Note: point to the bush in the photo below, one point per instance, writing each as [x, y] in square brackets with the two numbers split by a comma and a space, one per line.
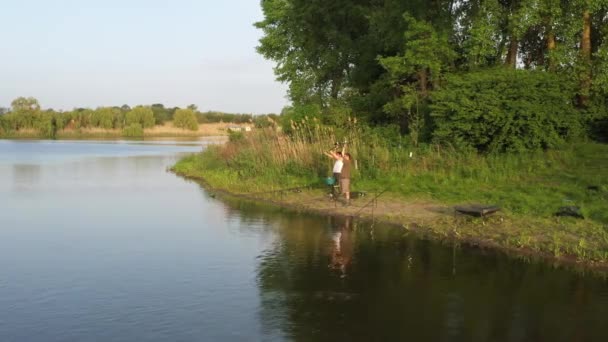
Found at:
[46, 125]
[234, 136]
[133, 130]
[4, 125]
[501, 110]
[161, 114]
[105, 117]
[141, 115]
[186, 119]
[298, 113]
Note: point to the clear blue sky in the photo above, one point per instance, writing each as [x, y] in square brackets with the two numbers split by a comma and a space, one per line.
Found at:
[89, 53]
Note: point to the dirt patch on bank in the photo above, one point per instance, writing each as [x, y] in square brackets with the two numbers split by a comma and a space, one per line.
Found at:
[372, 205]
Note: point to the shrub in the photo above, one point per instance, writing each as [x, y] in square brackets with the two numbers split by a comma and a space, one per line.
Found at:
[161, 114]
[4, 125]
[105, 117]
[234, 136]
[186, 119]
[133, 130]
[141, 115]
[501, 110]
[46, 125]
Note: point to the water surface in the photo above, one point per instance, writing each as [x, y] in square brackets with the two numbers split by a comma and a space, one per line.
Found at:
[98, 242]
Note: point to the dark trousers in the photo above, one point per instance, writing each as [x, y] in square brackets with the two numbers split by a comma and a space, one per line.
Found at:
[337, 178]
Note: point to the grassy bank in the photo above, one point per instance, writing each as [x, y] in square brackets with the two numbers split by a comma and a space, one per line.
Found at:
[165, 130]
[529, 187]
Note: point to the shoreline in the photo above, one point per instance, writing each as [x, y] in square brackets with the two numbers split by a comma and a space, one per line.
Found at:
[445, 227]
[166, 130]
[93, 138]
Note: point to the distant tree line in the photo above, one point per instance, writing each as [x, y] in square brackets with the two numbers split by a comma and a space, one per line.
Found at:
[26, 113]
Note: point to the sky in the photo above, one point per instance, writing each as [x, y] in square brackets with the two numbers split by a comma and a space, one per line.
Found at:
[89, 53]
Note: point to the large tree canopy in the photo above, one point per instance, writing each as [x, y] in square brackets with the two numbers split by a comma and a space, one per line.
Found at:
[371, 53]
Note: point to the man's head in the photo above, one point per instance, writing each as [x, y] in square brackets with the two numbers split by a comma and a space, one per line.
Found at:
[347, 156]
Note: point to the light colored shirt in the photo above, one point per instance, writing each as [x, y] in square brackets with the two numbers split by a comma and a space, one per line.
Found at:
[338, 166]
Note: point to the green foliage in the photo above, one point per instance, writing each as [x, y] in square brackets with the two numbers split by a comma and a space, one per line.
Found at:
[4, 125]
[501, 110]
[140, 115]
[328, 51]
[46, 125]
[82, 117]
[26, 116]
[420, 68]
[23, 104]
[186, 119]
[483, 29]
[235, 137]
[425, 51]
[299, 113]
[215, 117]
[161, 114]
[106, 117]
[265, 121]
[133, 130]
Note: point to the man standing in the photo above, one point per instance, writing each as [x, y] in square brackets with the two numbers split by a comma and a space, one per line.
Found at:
[345, 177]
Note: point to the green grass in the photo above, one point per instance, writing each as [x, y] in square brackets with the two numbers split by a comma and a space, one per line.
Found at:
[220, 175]
[530, 184]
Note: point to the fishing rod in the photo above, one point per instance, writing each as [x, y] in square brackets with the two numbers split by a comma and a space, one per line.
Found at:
[373, 199]
[281, 190]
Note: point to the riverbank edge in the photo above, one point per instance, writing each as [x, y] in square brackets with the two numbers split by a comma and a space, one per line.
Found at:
[166, 130]
[74, 135]
[423, 230]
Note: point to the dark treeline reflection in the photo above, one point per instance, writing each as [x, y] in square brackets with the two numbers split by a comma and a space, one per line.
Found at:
[337, 279]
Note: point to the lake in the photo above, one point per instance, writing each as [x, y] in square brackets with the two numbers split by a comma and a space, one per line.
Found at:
[99, 242]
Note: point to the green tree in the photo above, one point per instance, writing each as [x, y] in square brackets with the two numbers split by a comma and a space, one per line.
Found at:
[140, 115]
[417, 71]
[313, 43]
[23, 104]
[106, 117]
[161, 114]
[25, 112]
[186, 119]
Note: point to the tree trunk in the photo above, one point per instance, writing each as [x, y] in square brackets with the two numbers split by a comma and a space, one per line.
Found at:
[335, 87]
[511, 60]
[586, 39]
[551, 46]
[423, 82]
[583, 98]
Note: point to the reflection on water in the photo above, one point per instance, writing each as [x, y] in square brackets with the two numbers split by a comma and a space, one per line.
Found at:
[101, 243]
[333, 278]
[342, 247]
[25, 175]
